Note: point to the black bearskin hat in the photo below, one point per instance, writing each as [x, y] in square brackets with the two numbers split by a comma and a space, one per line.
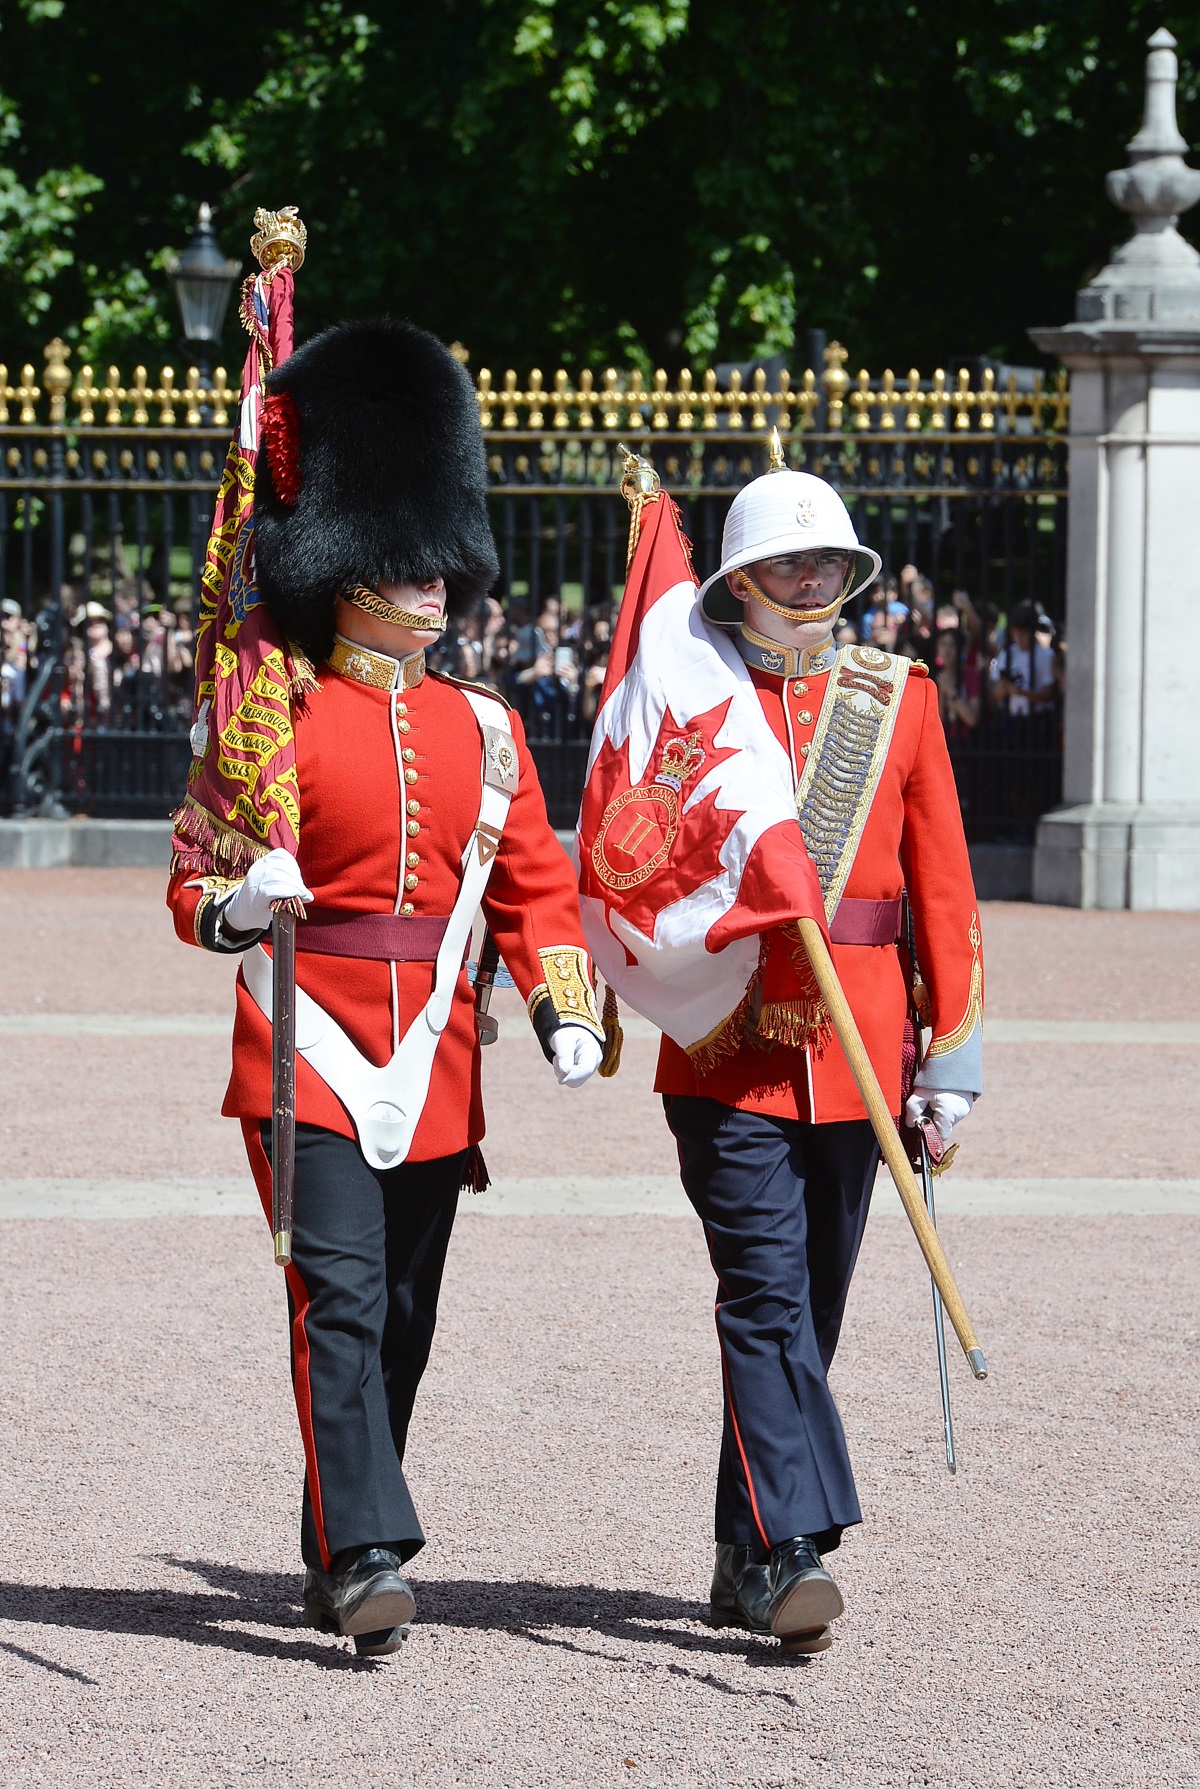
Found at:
[373, 469]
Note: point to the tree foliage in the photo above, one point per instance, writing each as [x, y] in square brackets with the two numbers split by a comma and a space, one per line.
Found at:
[579, 181]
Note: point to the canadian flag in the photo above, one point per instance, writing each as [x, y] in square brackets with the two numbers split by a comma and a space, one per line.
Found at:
[688, 843]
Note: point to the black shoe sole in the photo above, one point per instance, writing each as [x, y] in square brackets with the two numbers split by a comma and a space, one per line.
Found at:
[809, 1603]
[379, 1645]
[387, 1602]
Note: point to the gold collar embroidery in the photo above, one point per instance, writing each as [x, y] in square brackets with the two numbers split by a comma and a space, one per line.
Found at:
[783, 661]
[376, 669]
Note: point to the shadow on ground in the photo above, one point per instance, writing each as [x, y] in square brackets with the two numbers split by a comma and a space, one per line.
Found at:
[239, 1601]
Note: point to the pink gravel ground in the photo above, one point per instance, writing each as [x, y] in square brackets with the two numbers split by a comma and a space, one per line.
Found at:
[1031, 1623]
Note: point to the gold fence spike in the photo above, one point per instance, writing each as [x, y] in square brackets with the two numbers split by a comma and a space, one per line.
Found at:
[139, 395]
[165, 398]
[113, 396]
[890, 400]
[758, 400]
[860, 400]
[193, 397]
[27, 394]
[56, 379]
[962, 400]
[711, 400]
[986, 400]
[914, 399]
[685, 397]
[223, 398]
[509, 419]
[836, 381]
[937, 399]
[535, 397]
[6, 392]
[611, 418]
[483, 394]
[562, 397]
[87, 395]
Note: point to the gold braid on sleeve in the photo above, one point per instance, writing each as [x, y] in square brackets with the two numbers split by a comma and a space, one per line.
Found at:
[568, 987]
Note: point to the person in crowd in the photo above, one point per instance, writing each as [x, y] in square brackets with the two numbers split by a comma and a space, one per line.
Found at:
[597, 644]
[536, 639]
[958, 685]
[845, 633]
[1022, 674]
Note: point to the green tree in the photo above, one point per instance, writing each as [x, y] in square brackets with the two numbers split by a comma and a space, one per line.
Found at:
[583, 180]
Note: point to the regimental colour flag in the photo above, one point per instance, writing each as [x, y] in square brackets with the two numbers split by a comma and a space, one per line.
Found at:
[690, 851]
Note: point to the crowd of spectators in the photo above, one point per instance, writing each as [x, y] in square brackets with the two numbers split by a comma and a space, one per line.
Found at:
[992, 671]
[129, 660]
[548, 660]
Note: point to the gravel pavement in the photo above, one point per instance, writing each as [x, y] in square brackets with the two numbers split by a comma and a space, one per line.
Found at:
[1032, 1622]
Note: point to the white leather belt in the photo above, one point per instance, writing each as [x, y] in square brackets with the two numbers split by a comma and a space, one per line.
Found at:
[386, 1103]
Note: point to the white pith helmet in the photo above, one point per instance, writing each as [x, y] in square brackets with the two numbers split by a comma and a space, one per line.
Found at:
[783, 512]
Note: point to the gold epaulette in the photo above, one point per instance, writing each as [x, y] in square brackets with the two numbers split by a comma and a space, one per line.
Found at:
[919, 667]
[467, 683]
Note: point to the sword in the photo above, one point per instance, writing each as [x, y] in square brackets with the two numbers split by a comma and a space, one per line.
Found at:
[939, 1325]
[283, 1081]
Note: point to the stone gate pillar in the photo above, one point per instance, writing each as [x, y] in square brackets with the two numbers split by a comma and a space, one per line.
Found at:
[1129, 835]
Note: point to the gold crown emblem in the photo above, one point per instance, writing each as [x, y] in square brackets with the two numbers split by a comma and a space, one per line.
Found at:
[680, 758]
[806, 513]
[278, 236]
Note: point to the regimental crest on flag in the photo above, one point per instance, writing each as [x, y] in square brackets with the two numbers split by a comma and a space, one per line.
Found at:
[689, 850]
[639, 827]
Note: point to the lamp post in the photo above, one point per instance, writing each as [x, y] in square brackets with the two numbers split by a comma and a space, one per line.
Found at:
[203, 280]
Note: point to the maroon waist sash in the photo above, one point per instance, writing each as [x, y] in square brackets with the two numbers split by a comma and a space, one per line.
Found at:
[379, 937]
[860, 922]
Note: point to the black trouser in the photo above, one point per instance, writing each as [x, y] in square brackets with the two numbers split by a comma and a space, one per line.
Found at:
[783, 1206]
[368, 1248]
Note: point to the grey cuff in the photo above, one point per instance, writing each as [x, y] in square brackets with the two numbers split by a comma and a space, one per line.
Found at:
[955, 1071]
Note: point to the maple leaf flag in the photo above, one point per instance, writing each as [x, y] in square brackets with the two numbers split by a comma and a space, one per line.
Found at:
[688, 842]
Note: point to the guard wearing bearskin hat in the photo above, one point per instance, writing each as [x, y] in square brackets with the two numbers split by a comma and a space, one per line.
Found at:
[761, 720]
[415, 801]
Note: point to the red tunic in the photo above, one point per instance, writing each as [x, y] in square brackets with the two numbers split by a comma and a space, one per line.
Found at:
[913, 839]
[389, 796]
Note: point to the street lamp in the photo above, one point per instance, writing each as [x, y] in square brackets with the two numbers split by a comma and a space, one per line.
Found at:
[203, 280]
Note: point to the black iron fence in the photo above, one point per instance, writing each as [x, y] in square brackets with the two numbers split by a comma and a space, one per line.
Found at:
[103, 529]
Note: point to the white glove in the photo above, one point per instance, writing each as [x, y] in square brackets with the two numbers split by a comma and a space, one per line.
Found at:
[945, 1109]
[275, 877]
[576, 1055]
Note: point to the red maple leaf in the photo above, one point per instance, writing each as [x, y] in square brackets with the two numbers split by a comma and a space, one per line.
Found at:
[641, 851]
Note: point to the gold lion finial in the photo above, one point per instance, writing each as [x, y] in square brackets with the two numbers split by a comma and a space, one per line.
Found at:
[278, 236]
[638, 477]
[777, 462]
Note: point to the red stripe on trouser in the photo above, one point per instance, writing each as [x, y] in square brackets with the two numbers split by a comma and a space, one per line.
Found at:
[260, 1167]
[737, 1435]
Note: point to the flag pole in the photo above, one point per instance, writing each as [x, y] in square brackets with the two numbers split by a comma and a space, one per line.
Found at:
[888, 1137]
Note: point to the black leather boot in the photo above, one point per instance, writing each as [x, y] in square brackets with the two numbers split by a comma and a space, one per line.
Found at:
[740, 1594]
[366, 1596]
[803, 1597]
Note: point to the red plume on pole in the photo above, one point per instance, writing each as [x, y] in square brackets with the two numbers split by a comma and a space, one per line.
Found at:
[243, 796]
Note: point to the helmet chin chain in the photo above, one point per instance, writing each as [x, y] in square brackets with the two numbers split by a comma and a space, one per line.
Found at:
[371, 603]
[807, 617]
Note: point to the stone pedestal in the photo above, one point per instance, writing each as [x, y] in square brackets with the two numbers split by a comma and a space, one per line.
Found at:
[1129, 835]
